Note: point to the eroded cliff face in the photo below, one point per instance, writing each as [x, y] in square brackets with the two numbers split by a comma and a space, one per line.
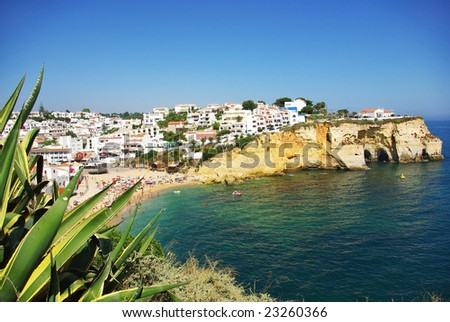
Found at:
[347, 145]
[409, 141]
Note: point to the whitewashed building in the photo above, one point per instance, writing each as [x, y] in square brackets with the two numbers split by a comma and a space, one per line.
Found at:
[153, 143]
[235, 127]
[258, 124]
[152, 119]
[236, 120]
[128, 124]
[202, 117]
[53, 155]
[181, 108]
[199, 135]
[299, 104]
[161, 110]
[376, 113]
[68, 142]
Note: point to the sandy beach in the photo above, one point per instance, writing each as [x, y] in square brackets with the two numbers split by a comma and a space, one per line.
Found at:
[153, 183]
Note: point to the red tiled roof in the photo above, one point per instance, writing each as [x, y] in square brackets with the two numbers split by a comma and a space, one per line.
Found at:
[371, 110]
[368, 110]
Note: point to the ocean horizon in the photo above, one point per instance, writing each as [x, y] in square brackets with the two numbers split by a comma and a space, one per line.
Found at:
[322, 235]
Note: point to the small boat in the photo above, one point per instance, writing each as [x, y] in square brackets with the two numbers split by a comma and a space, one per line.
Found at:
[402, 176]
[236, 193]
[177, 191]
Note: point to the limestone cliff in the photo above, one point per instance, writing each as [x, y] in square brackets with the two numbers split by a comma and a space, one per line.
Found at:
[341, 145]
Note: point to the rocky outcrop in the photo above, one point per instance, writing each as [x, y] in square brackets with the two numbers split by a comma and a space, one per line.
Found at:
[342, 145]
[402, 142]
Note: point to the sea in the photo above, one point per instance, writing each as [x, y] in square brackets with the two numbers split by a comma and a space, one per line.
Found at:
[319, 235]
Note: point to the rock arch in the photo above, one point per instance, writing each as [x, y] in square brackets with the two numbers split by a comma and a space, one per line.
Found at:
[382, 155]
[425, 155]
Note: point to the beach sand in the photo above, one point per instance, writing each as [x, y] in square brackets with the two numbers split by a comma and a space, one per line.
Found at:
[154, 183]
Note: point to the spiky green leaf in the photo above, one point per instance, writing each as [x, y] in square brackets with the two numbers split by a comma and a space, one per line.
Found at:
[6, 111]
[72, 242]
[73, 217]
[74, 287]
[146, 243]
[28, 106]
[174, 297]
[133, 245]
[6, 170]
[53, 292]
[124, 236]
[33, 246]
[55, 190]
[96, 288]
[22, 203]
[24, 179]
[127, 295]
[10, 144]
[28, 140]
[12, 219]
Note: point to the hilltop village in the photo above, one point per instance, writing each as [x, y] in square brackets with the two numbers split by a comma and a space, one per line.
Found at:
[67, 139]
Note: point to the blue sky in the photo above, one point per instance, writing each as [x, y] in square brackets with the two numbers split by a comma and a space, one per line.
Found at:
[116, 56]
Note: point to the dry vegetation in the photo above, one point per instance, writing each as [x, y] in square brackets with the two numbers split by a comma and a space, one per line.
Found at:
[207, 283]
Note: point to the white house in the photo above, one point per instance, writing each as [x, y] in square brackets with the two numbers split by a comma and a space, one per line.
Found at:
[114, 143]
[151, 119]
[192, 118]
[203, 117]
[199, 135]
[298, 103]
[153, 143]
[161, 110]
[61, 173]
[236, 128]
[258, 124]
[376, 113]
[293, 116]
[214, 106]
[128, 124]
[68, 142]
[236, 120]
[273, 119]
[123, 141]
[233, 105]
[92, 143]
[181, 108]
[53, 155]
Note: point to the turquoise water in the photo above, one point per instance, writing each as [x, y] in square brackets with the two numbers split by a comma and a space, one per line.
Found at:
[323, 235]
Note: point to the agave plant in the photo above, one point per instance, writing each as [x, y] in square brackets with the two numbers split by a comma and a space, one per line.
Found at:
[46, 250]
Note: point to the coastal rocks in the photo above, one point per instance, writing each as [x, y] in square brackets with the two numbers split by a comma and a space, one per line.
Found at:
[344, 145]
[401, 142]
